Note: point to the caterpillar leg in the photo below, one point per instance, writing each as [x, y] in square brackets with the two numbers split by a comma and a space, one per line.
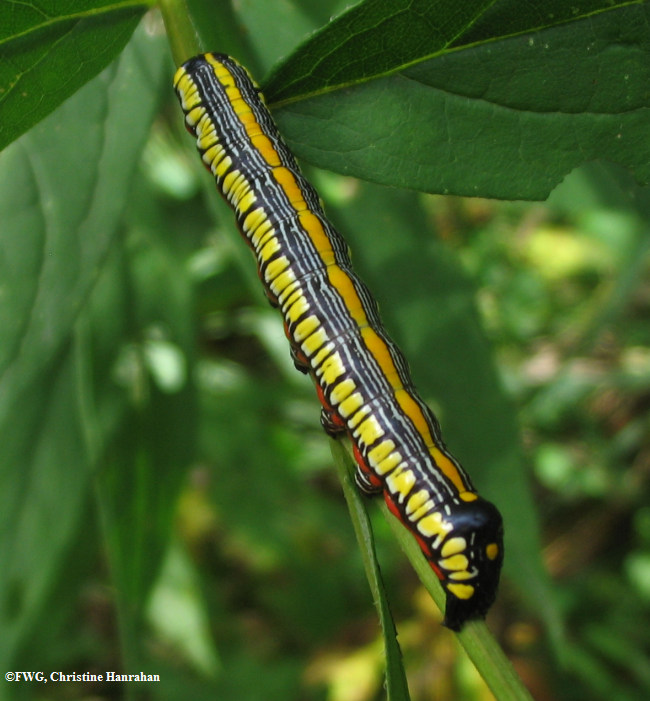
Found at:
[366, 479]
[331, 423]
[329, 419]
[299, 360]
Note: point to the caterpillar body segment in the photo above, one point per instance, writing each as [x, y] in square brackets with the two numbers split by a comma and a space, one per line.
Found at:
[336, 336]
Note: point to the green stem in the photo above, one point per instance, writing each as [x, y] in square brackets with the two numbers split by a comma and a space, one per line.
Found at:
[475, 637]
[396, 685]
[184, 37]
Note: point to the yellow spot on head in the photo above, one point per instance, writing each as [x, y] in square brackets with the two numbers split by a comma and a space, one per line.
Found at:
[492, 551]
[453, 546]
[462, 574]
[455, 562]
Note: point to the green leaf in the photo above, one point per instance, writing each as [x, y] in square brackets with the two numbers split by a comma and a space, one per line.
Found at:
[378, 37]
[44, 475]
[65, 185]
[63, 196]
[50, 49]
[504, 117]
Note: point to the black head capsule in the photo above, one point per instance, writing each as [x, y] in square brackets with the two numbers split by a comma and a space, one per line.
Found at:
[468, 561]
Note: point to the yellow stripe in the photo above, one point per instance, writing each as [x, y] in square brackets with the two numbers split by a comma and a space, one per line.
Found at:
[401, 481]
[381, 452]
[342, 283]
[341, 391]
[287, 181]
[314, 342]
[275, 267]
[297, 309]
[351, 404]
[389, 463]
[369, 430]
[331, 369]
[306, 328]
[453, 546]
[322, 354]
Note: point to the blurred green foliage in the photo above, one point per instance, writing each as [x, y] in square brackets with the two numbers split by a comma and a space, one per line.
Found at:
[169, 504]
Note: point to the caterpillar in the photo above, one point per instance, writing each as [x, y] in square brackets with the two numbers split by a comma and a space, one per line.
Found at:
[336, 335]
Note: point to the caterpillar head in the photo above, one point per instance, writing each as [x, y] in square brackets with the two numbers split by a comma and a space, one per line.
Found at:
[468, 561]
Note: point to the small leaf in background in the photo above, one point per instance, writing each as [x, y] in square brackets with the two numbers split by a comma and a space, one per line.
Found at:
[177, 611]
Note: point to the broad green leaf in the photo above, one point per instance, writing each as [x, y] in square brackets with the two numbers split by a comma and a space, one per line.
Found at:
[63, 195]
[49, 50]
[65, 185]
[378, 37]
[505, 117]
[44, 476]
